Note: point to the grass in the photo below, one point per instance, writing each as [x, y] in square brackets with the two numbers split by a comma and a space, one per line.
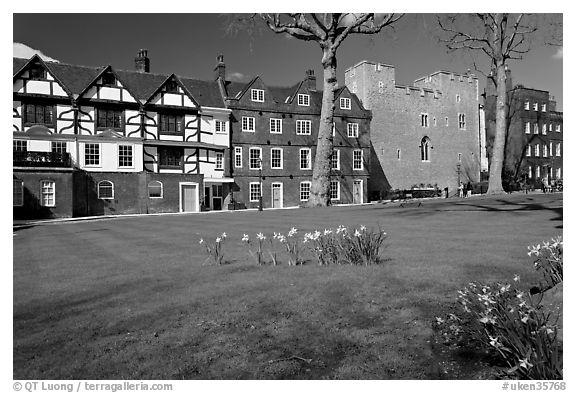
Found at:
[132, 298]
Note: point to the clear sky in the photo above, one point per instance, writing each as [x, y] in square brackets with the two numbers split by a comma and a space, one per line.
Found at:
[187, 45]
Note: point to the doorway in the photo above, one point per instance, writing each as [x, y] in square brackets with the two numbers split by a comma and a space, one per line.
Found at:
[277, 196]
[189, 197]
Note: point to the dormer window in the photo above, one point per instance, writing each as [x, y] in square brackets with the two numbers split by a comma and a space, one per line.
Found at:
[172, 87]
[345, 103]
[303, 100]
[37, 72]
[257, 95]
[108, 79]
[527, 105]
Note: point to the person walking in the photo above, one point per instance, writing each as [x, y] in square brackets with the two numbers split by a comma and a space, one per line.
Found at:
[468, 189]
[460, 190]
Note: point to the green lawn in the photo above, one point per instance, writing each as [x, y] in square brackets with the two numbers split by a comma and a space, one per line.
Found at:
[132, 298]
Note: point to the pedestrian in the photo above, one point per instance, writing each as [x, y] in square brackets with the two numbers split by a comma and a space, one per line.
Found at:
[460, 190]
[468, 189]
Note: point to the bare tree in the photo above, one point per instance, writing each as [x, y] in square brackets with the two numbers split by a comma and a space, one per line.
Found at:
[500, 38]
[328, 31]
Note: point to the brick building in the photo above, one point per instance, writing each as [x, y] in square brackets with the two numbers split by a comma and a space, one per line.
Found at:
[97, 140]
[273, 139]
[534, 135]
[423, 135]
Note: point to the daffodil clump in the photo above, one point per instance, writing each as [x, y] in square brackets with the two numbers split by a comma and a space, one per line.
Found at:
[214, 250]
[549, 261]
[510, 322]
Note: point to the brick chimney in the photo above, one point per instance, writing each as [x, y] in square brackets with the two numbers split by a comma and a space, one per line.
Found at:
[142, 62]
[310, 80]
[220, 69]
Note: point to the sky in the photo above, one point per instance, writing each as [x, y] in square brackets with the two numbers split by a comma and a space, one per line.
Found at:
[187, 45]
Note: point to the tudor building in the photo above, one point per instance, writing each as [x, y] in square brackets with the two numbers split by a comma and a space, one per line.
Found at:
[423, 135]
[274, 136]
[91, 141]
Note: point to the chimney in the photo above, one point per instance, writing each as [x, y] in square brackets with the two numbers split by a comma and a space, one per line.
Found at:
[142, 61]
[220, 69]
[310, 80]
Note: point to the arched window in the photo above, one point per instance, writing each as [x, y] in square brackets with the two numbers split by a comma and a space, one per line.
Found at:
[105, 190]
[425, 149]
[155, 189]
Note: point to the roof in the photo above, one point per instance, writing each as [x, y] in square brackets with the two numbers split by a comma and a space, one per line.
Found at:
[76, 78]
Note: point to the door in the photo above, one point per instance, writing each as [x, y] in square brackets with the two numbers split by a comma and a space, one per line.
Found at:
[277, 197]
[207, 197]
[189, 197]
[357, 191]
[216, 197]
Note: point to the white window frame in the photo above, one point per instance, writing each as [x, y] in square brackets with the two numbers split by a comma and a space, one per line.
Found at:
[535, 106]
[544, 129]
[345, 103]
[309, 158]
[352, 129]
[98, 189]
[354, 160]
[537, 171]
[85, 145]
[20, 185]
[558, 128]
[259, 184]
[544, 150]
[161, 189]
[238, 157]
[303, 99]
[309, 186]
[219, 127]
[59, 147]
[558, 173]
[51, 188]
[335, 158]
[248, 124]
[131, 154]
[18, 144]
[537, 150]
[272, 158]
[527, 127]
[257, 95]
[259, 150]
[558, 149]
[219, 161]
[551, 149]
[527, 105]
[529, 150]
[303, 127]
[536, 130]
[529, 171]
[461, 121]
[543, 107]
[275, 126]
[337, 198]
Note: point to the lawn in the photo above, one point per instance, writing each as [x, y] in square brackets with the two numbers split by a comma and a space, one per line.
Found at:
[134, 298]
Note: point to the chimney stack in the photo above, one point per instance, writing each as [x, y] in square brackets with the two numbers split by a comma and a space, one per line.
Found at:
[220, 69]
[310, 80]
[142, 61]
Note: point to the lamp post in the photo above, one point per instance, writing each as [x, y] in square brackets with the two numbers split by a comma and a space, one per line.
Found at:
[260, 181]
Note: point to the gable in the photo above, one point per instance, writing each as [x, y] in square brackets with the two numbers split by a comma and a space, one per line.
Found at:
[35, 77]
[172, 92]
[257, 95]
[107, 86]
[355, 105]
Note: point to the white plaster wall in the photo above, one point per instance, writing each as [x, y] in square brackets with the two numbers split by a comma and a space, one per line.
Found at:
[38, 87]
[110, 93]
[172, 99]
[109, 157]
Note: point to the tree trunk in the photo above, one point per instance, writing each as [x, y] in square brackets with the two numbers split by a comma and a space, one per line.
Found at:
[496, 165]
[320, 188]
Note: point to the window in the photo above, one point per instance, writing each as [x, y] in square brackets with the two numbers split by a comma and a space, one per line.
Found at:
[333, 129]
[17, 192]
[544, 150]
[335, 159]
[47, 193]
[537, 171]
[543, 107]
[255, 192]
[276, 126]
[276, 158]
[219, 161]
[304, 190]
[125, 156]
[352, 130]
[457, 97]
[109, 118]
[446, 121]
[357, 162]
[558, 128]
[58, 147]
[527, 127]
[303, 127]
[544, 130]
[535, 106]
[257, 95]
[37, 72]
[537, 150]
[39, 114]
[303, 100]
[558, 173]
[425, 149]
[424, 119]
[345, 103]
[108, 79]
[255, 158]
[105, 190]
[461, 121]
[92, 154]
[220, 127]
[171, 86]
[247, 124]
[155, 189]
[305, 159]
[334, 190]
[558, 149]
[527, 105]
[170, 157]
[530, 172]
[459, 157]
[380, 87]
[171, 123]
[19, 145]
[238, 157]
[535, 128]
[398, 154]
[528, 151]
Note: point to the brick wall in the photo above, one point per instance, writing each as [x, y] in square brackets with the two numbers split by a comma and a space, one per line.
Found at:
[32, 208]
